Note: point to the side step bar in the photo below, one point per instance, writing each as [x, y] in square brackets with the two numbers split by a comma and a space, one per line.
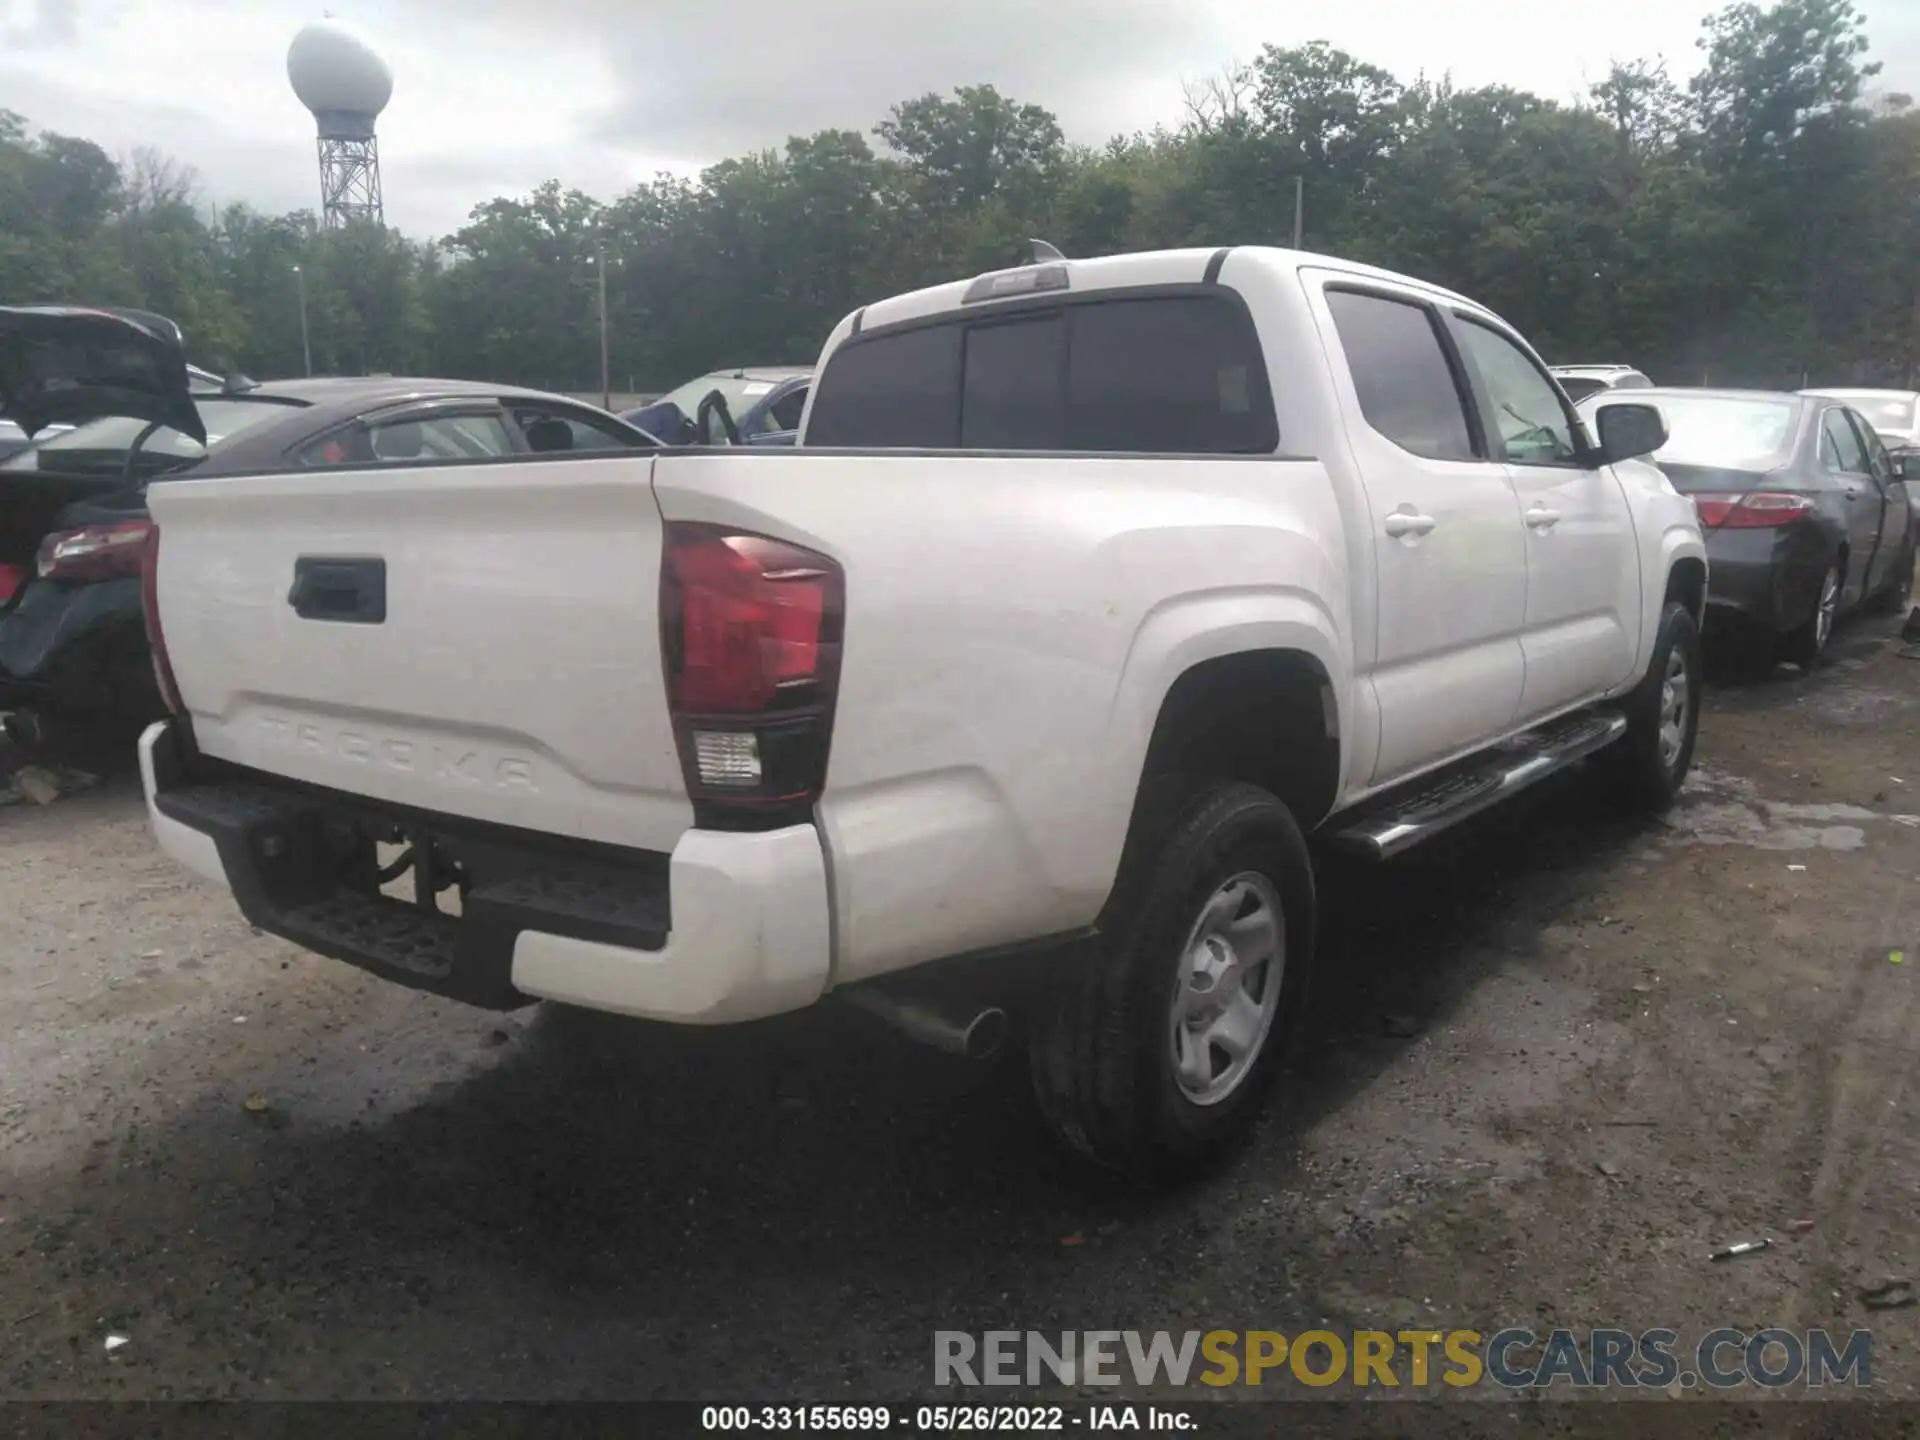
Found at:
[1522, 761]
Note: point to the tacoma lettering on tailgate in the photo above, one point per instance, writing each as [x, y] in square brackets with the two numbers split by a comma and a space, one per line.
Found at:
[449, 763]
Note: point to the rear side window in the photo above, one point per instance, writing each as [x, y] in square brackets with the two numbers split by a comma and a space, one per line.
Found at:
[894, 392]
[1401, 375]
[432, 437]
[1148, 375]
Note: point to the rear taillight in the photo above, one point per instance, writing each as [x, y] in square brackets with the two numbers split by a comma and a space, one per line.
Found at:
[12, 578]
[1755, 510]
[150, 610]
[750, 630]
[94, 552]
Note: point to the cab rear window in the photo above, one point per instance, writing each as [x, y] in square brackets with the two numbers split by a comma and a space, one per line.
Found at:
[1160, 374]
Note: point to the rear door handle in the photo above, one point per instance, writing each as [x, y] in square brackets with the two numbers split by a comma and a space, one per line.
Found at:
[345, 589]
[1409, 522]
[1541, 518]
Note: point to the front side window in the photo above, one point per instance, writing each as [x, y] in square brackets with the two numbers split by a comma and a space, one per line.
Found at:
[550, 429]
[1400, 374]
[1879, 464]
[784, 413]
[1533, 427]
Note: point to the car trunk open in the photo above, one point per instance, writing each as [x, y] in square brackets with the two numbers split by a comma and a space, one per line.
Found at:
[65, 365]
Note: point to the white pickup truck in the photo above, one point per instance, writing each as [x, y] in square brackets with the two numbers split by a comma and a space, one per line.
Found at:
[1093, 590]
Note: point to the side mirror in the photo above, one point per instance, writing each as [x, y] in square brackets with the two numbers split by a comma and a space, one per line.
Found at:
[1629, 431]
[1903, 464]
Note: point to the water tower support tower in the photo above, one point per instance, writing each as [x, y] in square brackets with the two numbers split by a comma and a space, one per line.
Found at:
[349, 170]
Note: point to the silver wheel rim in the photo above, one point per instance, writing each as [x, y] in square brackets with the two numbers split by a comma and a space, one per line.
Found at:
[1829, 607]
[1231, 969]
[1676, 698]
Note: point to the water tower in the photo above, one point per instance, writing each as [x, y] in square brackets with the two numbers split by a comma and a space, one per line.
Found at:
[345, 83]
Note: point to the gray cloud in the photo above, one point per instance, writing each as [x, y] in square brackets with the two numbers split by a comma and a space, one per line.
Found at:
[229, 164]
[700, 82]
[39, 24]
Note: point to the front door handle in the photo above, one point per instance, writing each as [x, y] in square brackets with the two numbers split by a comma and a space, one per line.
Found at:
[1409, 522]
[1541, 518]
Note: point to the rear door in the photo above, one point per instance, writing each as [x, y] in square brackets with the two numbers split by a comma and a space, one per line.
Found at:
[1844, 458]
[1449, 550]
[1583, 563]
[477, 639]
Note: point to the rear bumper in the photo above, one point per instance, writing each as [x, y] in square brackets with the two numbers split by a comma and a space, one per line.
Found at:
[730, 927]
[1767, 578]
[78, 647]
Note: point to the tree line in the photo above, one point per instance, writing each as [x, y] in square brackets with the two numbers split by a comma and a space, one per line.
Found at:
[1757, 223]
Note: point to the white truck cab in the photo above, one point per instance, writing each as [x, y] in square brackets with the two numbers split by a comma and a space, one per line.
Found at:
[1092, 589]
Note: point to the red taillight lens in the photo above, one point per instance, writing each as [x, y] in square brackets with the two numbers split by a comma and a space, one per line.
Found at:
[94, 552]
[12, 577]
[150, 611]
[1755, 510]
[751, 635]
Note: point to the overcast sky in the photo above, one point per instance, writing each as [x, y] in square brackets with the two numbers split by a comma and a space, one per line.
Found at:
[493, 96]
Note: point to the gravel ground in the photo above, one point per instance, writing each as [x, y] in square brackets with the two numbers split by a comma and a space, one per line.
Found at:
[1555, 1062]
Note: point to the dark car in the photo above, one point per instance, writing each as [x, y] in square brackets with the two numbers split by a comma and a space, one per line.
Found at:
[1895, 417]
[757, 405]
[1805, 513]
[73, 519]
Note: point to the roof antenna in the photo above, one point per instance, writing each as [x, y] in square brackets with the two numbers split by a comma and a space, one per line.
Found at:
[1043, 252]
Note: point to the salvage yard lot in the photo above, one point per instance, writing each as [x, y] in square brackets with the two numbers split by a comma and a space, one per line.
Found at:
[1558, 1060]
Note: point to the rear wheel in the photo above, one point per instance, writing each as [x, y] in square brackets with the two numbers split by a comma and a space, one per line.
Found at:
[1152, 1055]
[1650, 763]
[1806, 643]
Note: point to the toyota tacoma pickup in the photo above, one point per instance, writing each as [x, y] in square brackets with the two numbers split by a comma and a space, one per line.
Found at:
[1094, 591]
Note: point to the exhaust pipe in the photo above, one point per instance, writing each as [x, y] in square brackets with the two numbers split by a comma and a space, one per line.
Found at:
[976, 1035]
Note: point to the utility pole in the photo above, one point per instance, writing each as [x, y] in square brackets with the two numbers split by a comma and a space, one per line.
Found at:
[1299, 206]
[306, 345]
[600, 264]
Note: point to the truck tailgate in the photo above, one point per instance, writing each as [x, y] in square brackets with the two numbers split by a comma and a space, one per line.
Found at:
[515, 675]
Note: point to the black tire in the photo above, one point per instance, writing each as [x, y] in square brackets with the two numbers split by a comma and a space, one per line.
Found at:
[1102, 1047]
[1806, 643]
[1644, 773]
[1899, 588]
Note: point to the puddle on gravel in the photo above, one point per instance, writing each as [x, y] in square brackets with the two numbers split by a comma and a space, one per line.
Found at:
[1717, 809]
